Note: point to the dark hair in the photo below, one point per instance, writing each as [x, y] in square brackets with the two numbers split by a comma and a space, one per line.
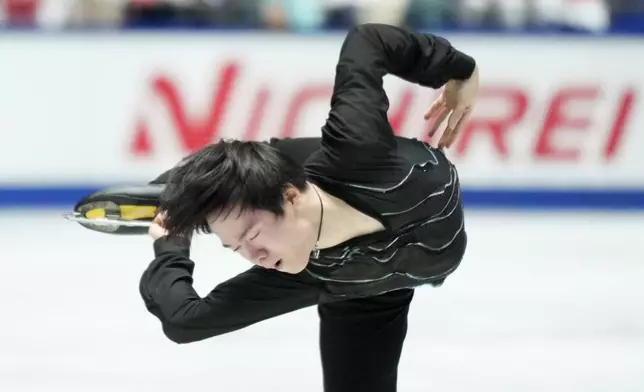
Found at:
[223, 176]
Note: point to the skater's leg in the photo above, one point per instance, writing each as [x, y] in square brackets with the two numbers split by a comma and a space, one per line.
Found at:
[361, 341]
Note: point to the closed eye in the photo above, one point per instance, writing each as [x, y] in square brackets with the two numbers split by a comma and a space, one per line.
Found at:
[237, 248]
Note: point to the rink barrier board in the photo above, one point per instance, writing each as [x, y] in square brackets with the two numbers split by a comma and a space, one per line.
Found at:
[544, 136]
[495, 198]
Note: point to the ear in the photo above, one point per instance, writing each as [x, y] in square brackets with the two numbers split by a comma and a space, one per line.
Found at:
[292, 195]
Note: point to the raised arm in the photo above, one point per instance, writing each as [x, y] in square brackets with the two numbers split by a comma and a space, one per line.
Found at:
[358, 118]
[252, 296]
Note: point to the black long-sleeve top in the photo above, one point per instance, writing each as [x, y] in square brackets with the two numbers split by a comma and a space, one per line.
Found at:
[410, 187]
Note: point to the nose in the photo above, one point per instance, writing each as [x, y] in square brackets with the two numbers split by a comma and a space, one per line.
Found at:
[260, 257]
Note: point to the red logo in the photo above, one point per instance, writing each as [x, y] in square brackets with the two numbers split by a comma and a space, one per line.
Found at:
[546, 117]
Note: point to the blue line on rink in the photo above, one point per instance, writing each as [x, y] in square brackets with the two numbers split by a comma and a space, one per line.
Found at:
[492, 198]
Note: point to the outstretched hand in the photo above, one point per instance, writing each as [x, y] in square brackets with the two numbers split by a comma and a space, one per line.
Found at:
[457, 100]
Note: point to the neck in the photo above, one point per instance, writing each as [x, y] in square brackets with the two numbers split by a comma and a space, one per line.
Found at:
[334, 221]
[321, 216]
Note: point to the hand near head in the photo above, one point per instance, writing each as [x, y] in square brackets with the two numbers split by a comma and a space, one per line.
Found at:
[157, 230]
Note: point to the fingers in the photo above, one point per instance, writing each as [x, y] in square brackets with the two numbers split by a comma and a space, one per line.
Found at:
[434, 108]
[456, 117]
[439, 111]
[441, 116]
[157, 229]
[160, 218]
[456, 123]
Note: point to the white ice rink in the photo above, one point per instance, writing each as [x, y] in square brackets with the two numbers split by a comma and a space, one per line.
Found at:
[541, 303]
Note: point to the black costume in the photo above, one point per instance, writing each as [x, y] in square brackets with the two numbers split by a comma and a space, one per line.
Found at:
[362, 287]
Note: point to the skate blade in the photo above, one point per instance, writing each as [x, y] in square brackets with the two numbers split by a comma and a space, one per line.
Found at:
[105, 222]
[111, 218]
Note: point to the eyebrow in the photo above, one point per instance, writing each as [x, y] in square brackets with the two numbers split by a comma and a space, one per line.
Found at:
[243, 234]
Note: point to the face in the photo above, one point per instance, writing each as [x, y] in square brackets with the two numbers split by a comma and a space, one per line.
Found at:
[282, 243]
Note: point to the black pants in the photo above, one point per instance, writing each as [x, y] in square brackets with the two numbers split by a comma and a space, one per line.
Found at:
[361, 341]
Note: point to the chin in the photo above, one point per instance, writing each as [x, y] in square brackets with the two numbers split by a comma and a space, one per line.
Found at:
[293, 267]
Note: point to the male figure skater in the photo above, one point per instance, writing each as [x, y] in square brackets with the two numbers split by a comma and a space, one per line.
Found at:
[353, 227]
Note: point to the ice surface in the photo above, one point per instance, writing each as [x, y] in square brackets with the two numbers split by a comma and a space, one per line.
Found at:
[542, 302]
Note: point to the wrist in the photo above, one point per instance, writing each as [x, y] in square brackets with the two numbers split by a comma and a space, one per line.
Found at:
[168, 243]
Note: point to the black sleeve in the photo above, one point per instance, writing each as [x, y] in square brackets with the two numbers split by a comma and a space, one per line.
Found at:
[298, 149]
[252, 296]
[357, 125]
